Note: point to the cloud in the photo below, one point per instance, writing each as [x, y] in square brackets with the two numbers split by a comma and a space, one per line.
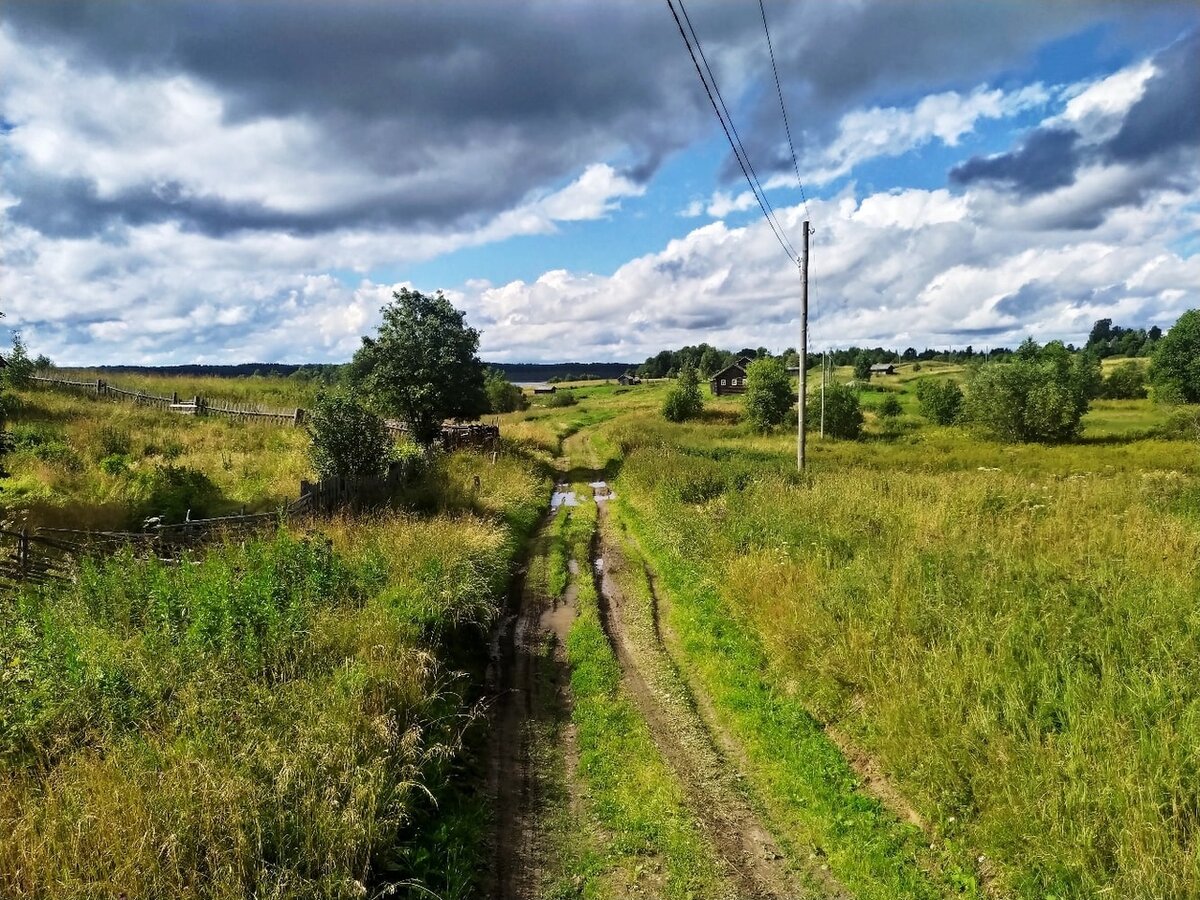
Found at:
[1140, 120]
[1047, 160]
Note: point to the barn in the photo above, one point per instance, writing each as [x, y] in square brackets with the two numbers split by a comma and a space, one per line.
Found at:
[730, 380]
[883, 369]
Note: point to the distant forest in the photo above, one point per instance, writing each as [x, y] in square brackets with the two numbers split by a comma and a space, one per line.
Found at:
[1105, 339]
[328, 373]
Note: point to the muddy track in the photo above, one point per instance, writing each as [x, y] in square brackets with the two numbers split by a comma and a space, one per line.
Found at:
[528, 684]
[710, 782]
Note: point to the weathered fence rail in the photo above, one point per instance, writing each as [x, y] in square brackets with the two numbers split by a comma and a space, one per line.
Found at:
[454, 436]
[49, 554]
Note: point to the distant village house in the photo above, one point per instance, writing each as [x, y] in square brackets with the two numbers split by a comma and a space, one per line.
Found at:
[883, 369]
[628, 379]
[730, 380]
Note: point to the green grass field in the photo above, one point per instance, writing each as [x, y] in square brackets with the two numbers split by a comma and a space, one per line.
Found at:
[1009, 632]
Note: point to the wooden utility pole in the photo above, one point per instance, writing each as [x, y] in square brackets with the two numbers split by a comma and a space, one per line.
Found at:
[823, 368]
[803, 389]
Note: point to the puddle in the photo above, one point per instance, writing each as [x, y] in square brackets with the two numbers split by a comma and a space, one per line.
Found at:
[601, 491]
[563, 497]
[598, 563]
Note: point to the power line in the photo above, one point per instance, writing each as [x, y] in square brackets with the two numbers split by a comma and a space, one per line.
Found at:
[782, 109]
[740, 146]
[735, 144]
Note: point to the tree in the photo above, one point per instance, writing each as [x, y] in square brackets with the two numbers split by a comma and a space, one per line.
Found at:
[1125, 382]
[19, 366]
[503, 396]
[1175, 367]
[683, 400]
[843, 415]
[940, 400]
[1040, 395]
[862, 367]
[768, 393]
[422, 365]
[348, 440]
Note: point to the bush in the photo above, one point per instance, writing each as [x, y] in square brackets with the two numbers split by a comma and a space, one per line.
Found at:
[1175, 369]
[503, 396]
[862, 367]
[560, 399]
[112, 441]
[348, 440]
[940, 400]
[890, 408]
[843, 415]
[171, 491]
[1039, 396]
[1125, 382]
[768, 393]
[683, 399]
[115, 464]
[1182, 425]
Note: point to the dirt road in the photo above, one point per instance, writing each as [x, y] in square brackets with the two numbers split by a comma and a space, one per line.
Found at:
[528, 676]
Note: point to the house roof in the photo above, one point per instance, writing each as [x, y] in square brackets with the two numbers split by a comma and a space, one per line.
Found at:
[882, 367]
[725, 371]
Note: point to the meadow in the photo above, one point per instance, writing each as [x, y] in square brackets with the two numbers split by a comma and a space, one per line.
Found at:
[1009, 631]
[291, 714]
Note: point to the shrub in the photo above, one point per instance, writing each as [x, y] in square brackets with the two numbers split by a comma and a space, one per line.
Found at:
[560, 399]
[1125, 382]
[503, 396]
[1183, 425]
[768, 393]
[171, 491]
[940, 400]
[1040, 396]
[862, 367]
[843, 415]
[115, 464]
[1175, 369]
[348, 440]
[683, 399]
[890, 408]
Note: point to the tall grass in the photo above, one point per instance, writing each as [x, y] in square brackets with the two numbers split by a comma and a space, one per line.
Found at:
[1011, 631]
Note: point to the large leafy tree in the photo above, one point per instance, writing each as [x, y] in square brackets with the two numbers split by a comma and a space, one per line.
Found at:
[768, 393]
[422, 366]
[1175, 369]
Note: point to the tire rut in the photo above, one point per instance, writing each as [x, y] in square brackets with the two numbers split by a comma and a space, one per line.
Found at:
[527, 684]
[735, 829]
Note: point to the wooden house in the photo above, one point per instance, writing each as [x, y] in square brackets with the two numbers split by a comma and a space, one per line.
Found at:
[883, 369]
[628, 379]
[730, 380]
[545, 389]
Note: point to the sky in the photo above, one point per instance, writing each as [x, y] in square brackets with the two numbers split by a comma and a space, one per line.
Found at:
[227, 182]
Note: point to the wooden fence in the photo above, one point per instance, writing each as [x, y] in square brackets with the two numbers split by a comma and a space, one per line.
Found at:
[51, 554]
[454, 437]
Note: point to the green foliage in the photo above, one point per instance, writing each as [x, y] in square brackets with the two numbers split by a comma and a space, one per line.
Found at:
[890, 408]
[560, 399]
[1175, 369]
[422, 365]
[1040, 395]
[843, 414]
[940, 400]
[683, 401]
[19, 366]
[503, 396]
[1126, 381]
[172, 491]
[862, 367]
[348, 440]
[768, 393]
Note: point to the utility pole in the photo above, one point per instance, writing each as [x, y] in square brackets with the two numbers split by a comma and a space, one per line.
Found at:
[803, 389]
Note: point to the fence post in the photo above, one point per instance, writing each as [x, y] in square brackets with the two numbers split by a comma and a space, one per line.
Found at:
[23, 551]
[100, 386]
[298, 420]
[174, 398]
[196, 404]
